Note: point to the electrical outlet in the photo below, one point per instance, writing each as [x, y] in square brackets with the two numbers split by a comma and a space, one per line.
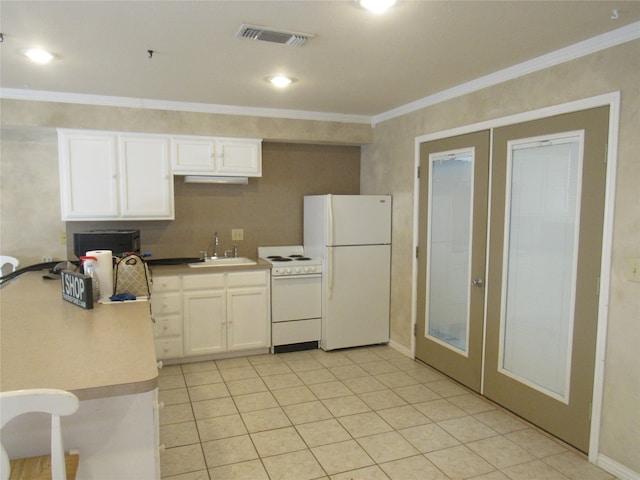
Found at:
[63, 237]
[237, 234]
[633, 269]
[46, 259]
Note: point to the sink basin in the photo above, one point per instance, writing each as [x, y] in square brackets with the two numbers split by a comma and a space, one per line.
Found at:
[223, 262]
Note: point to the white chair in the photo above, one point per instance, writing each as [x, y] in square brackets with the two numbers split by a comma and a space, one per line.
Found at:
[7, 260]
[57, 403]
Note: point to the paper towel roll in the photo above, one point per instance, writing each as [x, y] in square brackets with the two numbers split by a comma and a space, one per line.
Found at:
[104, 271]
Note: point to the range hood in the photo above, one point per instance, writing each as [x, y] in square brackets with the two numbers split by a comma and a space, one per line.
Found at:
[216, 179]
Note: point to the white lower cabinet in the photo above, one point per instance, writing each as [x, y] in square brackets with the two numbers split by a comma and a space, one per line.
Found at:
[166, 309]
[247, 300]
[205, 313]
[218, 312]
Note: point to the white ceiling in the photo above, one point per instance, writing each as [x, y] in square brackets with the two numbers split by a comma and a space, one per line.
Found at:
[357, 64]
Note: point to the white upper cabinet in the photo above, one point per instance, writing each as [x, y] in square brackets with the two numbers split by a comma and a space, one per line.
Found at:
[223, 156]
[129, 176]
[112, 176]
[239, 156]
[145, 180]
[193, 155]
[88, 175]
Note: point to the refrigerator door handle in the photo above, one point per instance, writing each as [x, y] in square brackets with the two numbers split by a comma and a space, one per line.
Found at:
[330, 273]
[330, 220]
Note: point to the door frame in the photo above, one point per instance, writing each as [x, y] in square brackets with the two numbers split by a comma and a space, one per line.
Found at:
[612, 100]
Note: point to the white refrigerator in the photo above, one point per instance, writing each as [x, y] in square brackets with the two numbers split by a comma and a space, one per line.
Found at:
[352, 235]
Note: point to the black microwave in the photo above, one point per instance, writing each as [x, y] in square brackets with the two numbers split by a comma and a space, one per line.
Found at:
[118, 241]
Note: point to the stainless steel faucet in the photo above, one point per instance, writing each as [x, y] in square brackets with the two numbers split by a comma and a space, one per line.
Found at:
[234, 251]
[216, 242]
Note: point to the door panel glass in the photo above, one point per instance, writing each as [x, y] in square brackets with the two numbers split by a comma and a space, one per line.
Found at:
[541, 244]
[449, 248]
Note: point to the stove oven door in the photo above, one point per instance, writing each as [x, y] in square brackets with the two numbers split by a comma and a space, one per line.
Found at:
[296, 297]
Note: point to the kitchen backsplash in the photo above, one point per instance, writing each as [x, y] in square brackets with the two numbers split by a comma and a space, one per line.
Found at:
[268, 209]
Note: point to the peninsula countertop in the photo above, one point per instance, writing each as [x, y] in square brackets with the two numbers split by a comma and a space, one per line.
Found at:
[46, 342]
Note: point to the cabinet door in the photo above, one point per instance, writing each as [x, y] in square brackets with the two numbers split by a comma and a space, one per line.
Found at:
[237, 156]
[88, 175]
[193, 155]
[204, 322]
[248, 324]
[146, 182]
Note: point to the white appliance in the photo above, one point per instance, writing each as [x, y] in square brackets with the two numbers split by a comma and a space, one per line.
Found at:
[296, 298]
[352, 236]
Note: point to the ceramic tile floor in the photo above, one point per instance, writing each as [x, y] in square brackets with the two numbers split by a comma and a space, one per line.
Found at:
[366, 413]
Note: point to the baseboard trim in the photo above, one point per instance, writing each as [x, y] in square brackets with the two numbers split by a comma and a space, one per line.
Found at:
[615, 468]
[400, 348]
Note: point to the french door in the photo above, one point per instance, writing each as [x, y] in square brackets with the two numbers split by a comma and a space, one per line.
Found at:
[544, 253]
[454, 175]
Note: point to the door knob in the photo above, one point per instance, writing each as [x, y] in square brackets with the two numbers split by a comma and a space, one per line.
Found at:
[478, 282]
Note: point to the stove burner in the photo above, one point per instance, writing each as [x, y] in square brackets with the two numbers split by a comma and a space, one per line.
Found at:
[302, 259]
[279, 258]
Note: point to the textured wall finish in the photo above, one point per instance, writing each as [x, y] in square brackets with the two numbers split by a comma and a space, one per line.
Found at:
[64, 115]
[387, 165]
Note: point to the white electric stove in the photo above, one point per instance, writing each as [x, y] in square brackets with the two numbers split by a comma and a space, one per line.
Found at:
[296, 298]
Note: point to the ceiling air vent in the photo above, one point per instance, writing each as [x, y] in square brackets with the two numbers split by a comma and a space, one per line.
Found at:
[264, 34]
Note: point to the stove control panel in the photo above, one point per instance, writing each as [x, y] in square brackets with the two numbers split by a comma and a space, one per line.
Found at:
[296, 270]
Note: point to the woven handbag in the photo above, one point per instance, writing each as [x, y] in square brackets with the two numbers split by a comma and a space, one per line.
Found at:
[132, 275]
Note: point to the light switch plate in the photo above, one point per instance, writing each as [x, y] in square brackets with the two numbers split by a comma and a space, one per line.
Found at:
[237, 234]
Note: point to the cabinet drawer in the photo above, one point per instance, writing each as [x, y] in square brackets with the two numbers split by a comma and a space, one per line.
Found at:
[167, 326]
[169, 348]
[166, 284]
[203, 282]
[166, 303]
[247, 279]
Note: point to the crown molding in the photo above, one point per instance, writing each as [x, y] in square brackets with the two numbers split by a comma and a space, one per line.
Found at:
[595, 44]
[128, 102]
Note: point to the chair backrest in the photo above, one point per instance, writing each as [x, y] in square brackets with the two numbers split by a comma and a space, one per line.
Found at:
[7, 260]
[57, 403]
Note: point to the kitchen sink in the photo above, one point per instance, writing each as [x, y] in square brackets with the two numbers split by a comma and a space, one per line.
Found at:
[222, 262]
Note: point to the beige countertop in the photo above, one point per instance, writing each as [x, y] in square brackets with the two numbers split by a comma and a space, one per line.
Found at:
[46, 342]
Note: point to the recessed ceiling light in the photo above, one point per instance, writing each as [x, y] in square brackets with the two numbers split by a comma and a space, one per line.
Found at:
[38, 55]
[377, 6]
[280, 81]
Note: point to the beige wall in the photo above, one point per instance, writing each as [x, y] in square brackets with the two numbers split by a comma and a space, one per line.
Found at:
[325, 158]
[388, 165]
